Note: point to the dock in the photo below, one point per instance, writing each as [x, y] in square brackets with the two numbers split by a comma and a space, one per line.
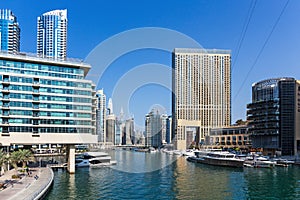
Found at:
[58, 166]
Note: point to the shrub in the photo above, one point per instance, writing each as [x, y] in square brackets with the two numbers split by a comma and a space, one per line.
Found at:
[15, 176]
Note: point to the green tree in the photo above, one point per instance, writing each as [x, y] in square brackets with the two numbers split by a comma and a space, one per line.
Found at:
[14, 159]
[21, 156]
[2, 160]
[240, 122]
[25, 156]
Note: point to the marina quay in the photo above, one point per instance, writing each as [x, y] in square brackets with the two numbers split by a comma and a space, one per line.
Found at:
[46, 101]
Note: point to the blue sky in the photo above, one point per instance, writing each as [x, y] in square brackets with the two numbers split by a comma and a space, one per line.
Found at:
[213, 23]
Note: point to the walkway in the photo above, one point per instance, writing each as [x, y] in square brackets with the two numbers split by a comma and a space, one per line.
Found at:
[27, 188]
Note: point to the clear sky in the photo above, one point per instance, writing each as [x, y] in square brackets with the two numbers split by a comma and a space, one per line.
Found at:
[214, 24]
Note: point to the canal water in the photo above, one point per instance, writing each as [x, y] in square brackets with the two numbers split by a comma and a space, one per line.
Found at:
[161, 176]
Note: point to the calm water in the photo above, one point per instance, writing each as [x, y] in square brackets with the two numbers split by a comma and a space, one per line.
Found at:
[134, 178]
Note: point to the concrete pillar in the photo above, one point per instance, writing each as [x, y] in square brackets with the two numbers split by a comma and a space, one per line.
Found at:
[71, 158]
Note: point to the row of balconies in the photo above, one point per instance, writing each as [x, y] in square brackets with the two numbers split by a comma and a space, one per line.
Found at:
[248, 143]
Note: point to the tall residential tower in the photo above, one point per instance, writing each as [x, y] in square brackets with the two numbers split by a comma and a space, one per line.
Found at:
[101, 116]
[9, 32]
[52, 34]
[201, 98]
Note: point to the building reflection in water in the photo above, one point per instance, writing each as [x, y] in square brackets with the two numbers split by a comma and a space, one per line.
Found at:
[198, 181]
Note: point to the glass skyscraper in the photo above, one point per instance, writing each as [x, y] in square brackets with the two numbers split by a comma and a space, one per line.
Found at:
[52, 34]
[45, 101]
[9, 32]
[274, 116]
[201, 92]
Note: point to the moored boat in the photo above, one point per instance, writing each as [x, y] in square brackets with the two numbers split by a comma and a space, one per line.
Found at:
[94, 160]
[217, 158]
[258, 162]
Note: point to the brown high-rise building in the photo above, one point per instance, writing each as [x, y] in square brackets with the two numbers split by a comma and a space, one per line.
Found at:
[201, 92]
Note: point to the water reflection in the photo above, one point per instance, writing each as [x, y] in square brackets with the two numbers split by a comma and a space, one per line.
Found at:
[140, 162]
[197, 181]
[178, 180]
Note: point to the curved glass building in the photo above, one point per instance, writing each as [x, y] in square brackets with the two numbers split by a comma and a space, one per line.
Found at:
[274, 117]
[45, 101]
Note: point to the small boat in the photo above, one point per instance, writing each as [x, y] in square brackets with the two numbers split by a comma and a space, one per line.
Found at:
[188, 152]
[258, 162]
[177, 152]
[283, 162]
[94, 160]
[152, 150]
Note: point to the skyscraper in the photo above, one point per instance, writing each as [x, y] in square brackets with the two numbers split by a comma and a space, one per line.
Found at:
[156, 128]
[274, 116]
[201, 85]
[110, 107]
[110, 129]
[101, 116]
[52, 34]
[9, 32]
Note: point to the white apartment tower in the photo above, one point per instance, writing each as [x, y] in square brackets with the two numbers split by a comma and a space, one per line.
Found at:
[52, 34]
[101, 116]
[201, 85]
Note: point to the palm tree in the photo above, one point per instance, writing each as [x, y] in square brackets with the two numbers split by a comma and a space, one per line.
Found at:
[2, 160]
[25, 156]
[21, 156]
[14, 159]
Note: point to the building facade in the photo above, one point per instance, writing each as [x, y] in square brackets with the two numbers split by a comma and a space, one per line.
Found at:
[45, 101]
[101, 116]
[201, 84]
[111, 129]
[157, 129]
[52, 34]
[274, 116]
[231, 137]
[9, 32]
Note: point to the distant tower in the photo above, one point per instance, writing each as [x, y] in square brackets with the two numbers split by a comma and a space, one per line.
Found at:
[121, 114]
[52, 34]
[111, 129]
[153, 128]
[110, 107]
[101, 116]
[129, 132]
[9, 32]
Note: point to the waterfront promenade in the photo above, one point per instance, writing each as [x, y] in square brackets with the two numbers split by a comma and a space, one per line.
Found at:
[28, 187]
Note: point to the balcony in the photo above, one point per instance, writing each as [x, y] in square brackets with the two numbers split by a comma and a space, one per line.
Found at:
[5, 81]
[36, 85]
[5, 90]
[5, 123]
[36, 100]
[35, 107]
[35, 92]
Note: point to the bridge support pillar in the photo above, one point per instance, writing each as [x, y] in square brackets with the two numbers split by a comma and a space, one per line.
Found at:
[71, 158]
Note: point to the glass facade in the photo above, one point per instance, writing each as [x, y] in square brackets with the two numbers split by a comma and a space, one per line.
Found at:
[271, 115]
[45, 97]
[9, 32]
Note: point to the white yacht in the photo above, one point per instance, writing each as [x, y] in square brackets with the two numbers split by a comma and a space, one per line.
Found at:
[94, 159]
[217, 157]
[258, 162]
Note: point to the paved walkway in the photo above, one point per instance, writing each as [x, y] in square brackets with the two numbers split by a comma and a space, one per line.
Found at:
[27, 188]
